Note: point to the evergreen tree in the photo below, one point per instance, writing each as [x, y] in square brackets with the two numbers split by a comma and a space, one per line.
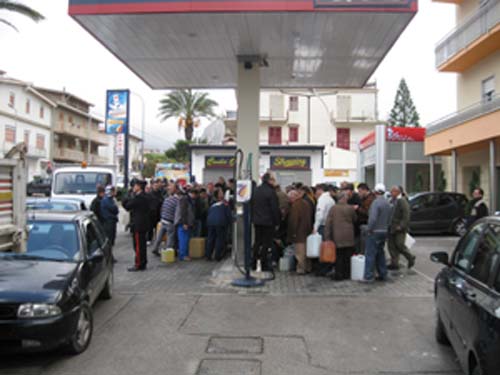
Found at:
[403, 112]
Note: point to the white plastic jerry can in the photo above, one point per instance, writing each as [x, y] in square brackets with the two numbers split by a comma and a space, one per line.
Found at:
[357, 267]
[313, 245]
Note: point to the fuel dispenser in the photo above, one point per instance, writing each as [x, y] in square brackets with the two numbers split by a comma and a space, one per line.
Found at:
[242, 230]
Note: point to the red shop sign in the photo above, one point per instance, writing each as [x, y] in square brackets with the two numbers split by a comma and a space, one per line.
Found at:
[396, 134]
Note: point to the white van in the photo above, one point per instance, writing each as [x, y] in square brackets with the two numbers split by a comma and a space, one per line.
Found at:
[81, 182]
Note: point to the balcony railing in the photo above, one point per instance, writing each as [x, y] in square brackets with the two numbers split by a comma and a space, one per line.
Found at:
[80, 132]
[69, 154]
[98, 160]
[465, 115]
[477, 25]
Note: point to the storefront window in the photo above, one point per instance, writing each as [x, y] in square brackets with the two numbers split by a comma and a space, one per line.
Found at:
[417, 178]
[415, 151]
[394, 174]
[394, 151]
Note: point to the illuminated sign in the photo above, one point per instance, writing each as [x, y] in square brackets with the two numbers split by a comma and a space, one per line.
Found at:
[217, 162]
[117, 102]
[291, 162]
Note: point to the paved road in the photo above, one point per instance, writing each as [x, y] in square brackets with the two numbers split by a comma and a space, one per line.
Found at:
[187, 319]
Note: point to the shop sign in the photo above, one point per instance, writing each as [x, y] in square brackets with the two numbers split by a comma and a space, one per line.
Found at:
[120, 144]
[218, 162]
[336, 173]
[367, 141]
[396, 134]
[291, 162]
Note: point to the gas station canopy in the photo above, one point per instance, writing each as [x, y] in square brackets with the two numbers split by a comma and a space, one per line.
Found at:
[198, 44]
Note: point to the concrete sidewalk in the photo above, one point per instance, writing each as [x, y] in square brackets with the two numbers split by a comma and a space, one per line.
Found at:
[186, 319]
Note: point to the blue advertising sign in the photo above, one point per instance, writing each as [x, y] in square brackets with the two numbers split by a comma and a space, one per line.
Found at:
[117, 110]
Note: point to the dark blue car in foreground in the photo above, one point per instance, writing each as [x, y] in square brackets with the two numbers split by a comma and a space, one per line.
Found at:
[467, 295]
[47, 292]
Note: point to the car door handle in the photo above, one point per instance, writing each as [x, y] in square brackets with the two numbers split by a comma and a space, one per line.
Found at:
[470, 296]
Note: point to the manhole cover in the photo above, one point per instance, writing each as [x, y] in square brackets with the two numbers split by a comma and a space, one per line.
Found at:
[235, 345]
[229, 367]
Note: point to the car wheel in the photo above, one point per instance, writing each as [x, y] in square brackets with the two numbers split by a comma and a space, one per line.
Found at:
[460, 227]
[80, 340]
[441, 336]
[107, 291]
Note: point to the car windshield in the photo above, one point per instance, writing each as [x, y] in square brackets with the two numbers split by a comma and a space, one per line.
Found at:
[80, 182]
[53, 206]
[50, 240]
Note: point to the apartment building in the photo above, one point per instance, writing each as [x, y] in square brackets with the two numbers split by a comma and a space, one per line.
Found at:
[335, 119]
[26, 116]
[76, 134]
[470, 137]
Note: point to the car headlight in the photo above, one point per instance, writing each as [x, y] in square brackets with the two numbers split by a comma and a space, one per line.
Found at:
[37, 310]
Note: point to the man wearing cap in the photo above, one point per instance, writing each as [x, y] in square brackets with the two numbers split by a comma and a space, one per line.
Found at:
[379, 217]
[138, 205]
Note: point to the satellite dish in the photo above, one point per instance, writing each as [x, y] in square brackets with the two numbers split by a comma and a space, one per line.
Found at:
[214, 133]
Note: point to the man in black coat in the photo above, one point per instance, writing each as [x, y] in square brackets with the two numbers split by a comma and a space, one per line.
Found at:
[266, 217]
[95, 206]
[138, 205]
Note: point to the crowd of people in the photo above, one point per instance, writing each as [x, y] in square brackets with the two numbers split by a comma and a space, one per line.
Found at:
[357, 221]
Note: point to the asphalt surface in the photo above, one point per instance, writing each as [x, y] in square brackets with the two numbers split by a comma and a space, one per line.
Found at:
[185, 318]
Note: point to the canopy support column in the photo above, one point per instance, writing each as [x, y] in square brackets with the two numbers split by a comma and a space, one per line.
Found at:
[248, 96]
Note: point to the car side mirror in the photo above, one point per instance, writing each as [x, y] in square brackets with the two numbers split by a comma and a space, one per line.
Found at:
[97, 255]
[440, 257]
[415, 207]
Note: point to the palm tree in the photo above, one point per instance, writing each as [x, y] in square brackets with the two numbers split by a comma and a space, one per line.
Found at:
[188, 107]
[16, 7]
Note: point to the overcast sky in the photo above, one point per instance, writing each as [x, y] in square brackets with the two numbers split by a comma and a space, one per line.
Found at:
[58, 53]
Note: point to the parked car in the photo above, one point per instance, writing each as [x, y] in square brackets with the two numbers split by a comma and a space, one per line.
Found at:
[54, 204]
[41, 186]
[438, 213]
[467, 295]
[47, 292]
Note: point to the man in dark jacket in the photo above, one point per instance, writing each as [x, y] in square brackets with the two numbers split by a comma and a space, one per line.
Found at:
[477, 207]
[218, 220]
[184, 222]
[109, 213]
[266, 216]
[95, 206]
[398, 229]
[138, 205]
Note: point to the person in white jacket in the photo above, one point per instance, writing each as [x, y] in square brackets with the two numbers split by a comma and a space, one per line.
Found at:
[325, 203]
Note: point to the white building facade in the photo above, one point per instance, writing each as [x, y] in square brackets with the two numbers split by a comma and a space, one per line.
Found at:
[335, 119]
[26, 116]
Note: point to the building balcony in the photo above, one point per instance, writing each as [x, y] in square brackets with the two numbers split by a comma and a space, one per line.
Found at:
[34, 152]
[471, 41]
[465, 130]
[98, 160]
[80, 132]
[68, 154]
